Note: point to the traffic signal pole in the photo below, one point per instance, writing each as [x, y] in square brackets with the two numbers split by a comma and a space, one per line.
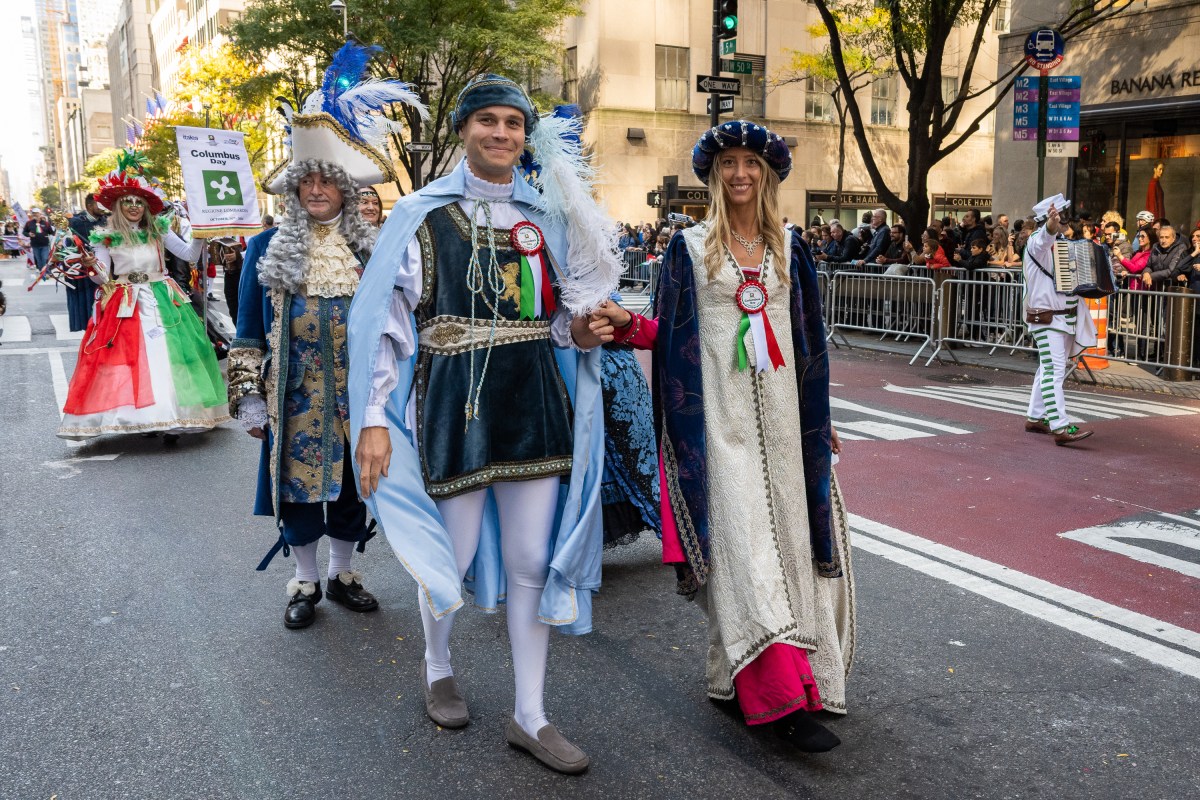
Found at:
[715, 99]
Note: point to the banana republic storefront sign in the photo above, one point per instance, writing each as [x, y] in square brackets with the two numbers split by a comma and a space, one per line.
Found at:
[1150, 84]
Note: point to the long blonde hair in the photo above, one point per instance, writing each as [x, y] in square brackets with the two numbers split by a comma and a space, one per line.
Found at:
[146, 225]
[770, 222]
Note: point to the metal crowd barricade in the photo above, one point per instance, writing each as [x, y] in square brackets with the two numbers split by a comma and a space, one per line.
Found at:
[1155, 329]
[980, 312]
[638, 281]
[903, 306]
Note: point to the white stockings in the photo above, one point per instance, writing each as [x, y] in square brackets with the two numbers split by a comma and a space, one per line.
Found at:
[526, 518]
[306, 559]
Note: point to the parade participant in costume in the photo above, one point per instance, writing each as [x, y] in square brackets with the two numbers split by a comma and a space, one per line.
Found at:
[370, 206]
[475, 396]
[145, 363]
[1059, 330]
[739, 436]
[227, 253]
[630, 493]
[81, 291]
[288, 365]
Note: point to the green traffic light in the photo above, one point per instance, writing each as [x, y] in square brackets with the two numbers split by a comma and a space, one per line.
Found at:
[729, 22]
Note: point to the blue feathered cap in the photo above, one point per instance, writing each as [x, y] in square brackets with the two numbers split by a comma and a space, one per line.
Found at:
[490, 89]
[740, 133]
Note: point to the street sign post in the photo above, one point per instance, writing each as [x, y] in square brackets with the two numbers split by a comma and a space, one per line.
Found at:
[1044, 50]
[710, 84]
[737, 66]
[419, 147]
[725, 105]
[728, 47]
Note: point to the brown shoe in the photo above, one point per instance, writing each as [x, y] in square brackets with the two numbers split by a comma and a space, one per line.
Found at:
[1037, 426]
[443, 702]
[1070, 435]
[549, 747]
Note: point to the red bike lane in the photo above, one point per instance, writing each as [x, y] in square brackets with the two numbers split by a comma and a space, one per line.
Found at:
[1005, 495]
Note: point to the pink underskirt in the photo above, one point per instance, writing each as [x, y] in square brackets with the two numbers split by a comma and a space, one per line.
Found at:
[775, 684]
[671, 543]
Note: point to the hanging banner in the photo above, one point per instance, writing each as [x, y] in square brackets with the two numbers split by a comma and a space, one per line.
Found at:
[221, 196]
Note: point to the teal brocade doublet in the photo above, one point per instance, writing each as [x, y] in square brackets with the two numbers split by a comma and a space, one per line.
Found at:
[524, 426]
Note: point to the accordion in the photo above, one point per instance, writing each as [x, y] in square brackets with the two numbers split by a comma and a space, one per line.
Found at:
[1082, 268]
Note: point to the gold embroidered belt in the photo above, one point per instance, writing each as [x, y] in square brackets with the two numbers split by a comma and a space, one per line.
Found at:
[447, 335]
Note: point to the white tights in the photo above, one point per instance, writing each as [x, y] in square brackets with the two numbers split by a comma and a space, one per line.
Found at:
[526, 518]
[306, 559]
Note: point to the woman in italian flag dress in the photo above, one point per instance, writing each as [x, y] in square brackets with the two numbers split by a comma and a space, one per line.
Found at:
[145, 362]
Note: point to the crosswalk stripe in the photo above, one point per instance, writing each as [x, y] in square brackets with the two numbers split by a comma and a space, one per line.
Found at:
[836, 402]
[1022, 401]
[16, 329]
[62, 329]
[1150, 406]
[1014, 400]
[882, 430]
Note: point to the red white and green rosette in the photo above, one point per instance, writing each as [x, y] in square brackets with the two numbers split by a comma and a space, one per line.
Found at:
[537, 292]
[751, 298]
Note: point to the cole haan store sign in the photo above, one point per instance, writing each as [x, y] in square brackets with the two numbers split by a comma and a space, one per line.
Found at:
[1150, 84]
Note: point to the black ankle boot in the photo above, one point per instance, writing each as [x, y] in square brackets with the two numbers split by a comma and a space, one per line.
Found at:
[301, 610]
[803, 732]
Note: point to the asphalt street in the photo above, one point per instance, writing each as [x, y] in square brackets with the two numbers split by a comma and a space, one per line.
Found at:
[1007, 647]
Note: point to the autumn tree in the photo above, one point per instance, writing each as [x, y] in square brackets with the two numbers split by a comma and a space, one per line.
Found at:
[867, 57]
[48, 196]
[436, 44]
[918, 36]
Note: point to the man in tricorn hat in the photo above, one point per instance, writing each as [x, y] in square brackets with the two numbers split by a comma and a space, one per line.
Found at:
[475, 395]
[288, 365]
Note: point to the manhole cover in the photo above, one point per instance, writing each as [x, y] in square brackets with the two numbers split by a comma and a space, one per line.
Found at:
[959, 378]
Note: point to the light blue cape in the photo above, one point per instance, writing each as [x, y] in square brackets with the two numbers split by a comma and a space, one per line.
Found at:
[408, 516]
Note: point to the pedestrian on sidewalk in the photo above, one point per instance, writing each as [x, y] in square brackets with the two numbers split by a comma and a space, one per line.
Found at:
[38, 230]
[476, 397]
[1061, 330]
[739, 299]
[289, 365]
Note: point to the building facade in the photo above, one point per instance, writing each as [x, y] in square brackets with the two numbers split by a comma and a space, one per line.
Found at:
[88, 131]
[1140, 108]
[132, 71]
[632, 66]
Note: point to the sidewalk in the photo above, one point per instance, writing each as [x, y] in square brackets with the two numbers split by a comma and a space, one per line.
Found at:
[1117, 375]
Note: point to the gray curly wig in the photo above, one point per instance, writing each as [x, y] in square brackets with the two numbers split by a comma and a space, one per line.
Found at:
[285, 263]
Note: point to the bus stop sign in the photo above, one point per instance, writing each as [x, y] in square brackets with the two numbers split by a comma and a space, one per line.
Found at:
[1044, 49]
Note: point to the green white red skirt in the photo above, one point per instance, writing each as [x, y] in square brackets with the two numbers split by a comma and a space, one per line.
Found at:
[145, 364]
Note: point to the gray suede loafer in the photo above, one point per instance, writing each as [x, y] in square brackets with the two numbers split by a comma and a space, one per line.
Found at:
[443, 702]
[549, 747]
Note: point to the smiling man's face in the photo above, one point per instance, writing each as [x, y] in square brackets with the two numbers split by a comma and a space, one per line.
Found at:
[494, 138]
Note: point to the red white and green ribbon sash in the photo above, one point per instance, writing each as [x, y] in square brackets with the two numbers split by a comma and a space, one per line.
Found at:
[537, 290]
[751, 298]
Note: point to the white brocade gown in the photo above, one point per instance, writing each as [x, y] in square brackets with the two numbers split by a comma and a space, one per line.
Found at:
[763, 586]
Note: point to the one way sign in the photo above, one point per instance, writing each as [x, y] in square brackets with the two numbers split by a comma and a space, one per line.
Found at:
[713, 85]
[724, 107]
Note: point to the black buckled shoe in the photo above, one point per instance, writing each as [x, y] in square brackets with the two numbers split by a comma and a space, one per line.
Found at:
[347, 590]
[301, 610]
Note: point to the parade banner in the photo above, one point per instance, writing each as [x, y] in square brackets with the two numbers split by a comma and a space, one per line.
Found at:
[221, 195]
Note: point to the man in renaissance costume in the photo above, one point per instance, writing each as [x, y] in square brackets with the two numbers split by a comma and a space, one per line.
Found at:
[475, 395]
[288, 365]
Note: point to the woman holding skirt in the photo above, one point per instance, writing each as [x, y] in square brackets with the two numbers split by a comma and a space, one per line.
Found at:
[145, 362]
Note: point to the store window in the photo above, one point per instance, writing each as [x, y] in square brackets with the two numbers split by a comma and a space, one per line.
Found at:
[671, 78]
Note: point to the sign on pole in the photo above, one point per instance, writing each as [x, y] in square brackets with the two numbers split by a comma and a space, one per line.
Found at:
[710, 84]
[728, 47]
[724, 105]
[737, 66]
[419, 147]
[222, 200]
[1062, 111]
[1044, 49]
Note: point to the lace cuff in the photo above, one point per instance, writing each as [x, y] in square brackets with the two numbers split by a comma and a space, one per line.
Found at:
[252, 412]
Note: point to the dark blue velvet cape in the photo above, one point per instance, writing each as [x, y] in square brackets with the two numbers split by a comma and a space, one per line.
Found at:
[679, 407]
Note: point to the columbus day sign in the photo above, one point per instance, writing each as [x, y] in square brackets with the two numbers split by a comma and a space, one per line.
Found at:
[219, 182]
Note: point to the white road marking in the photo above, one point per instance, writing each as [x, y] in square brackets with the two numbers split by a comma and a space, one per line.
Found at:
[16, 329]
[62, 329]
[836, 402]
[59, 376]
[69, 463]
[880, 430]
[1105, 537]
[1015, 400]
[35, 351]
[1072, 606]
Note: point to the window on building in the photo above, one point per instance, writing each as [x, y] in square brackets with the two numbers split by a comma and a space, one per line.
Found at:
[571, 75]
[949, 88]
[818, 104]
[753, 100]
[672, 73]
[1000, 22]
[883, 101]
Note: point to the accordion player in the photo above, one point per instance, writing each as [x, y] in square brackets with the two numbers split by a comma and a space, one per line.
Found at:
[1082, 268]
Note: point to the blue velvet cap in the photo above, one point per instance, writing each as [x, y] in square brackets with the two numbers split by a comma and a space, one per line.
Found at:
[490, 89]
[740, 133]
